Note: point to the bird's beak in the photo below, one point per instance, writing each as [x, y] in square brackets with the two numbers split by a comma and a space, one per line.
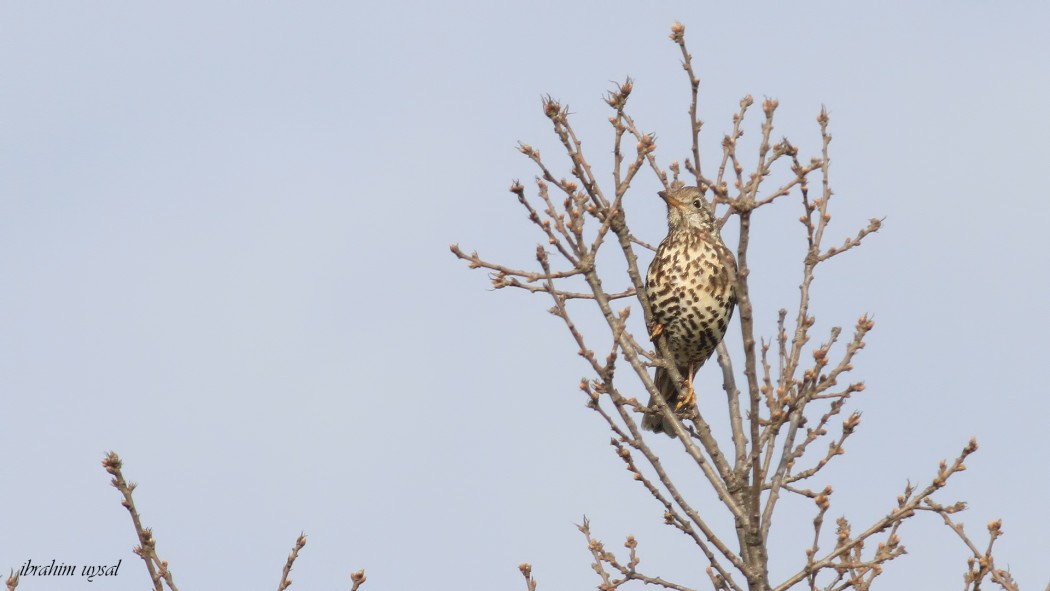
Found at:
[669, 199]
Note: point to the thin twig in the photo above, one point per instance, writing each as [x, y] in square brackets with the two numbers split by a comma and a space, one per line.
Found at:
[287, 571]
[147, 548]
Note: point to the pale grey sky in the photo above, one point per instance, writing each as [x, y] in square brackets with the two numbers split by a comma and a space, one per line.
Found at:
[223, 254]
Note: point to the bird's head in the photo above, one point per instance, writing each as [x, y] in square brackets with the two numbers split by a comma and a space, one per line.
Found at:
[687, 208]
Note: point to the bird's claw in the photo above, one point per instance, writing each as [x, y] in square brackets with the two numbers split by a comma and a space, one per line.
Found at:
[689, 400]
[657, 331]
[690, 395]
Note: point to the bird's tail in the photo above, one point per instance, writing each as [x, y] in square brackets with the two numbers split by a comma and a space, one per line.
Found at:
[655, 421]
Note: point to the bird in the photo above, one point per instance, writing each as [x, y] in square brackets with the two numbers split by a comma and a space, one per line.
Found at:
[691, 286]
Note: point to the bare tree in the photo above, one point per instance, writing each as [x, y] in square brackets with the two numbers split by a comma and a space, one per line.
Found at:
[775, 416]
[147, 548]
[784, 401]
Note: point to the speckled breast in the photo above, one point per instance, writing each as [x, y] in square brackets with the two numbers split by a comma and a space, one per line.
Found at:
[691, 287]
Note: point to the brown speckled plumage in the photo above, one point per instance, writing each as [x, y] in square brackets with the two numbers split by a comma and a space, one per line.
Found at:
[691, 285]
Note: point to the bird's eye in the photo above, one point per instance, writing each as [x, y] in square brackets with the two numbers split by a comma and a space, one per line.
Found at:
[696, 204]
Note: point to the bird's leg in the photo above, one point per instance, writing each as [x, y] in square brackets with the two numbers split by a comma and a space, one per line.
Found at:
[658, 330]
[690, 394]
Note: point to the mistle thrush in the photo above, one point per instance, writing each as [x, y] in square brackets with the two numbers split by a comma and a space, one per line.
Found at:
[691, 285]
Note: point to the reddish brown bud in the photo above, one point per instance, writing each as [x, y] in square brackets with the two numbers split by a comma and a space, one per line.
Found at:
[677, 31]
[770, 105]
[552, 108]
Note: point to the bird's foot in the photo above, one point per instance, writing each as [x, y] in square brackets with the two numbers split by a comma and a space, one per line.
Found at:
[657, 331]
[690, 397]
[689, 400]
